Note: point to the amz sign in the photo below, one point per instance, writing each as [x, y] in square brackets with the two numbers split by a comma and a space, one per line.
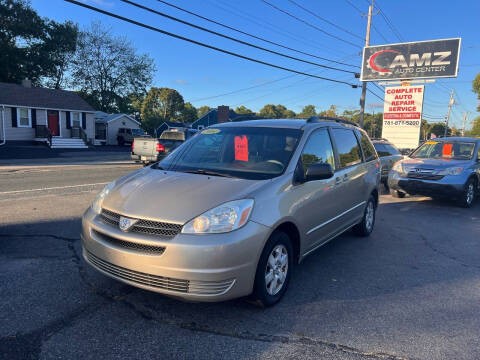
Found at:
[423, 59]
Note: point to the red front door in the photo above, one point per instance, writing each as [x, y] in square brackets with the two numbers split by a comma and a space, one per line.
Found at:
[53, 123]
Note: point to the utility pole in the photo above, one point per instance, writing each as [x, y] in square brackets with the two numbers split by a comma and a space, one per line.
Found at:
[364, 85]
[465, 119]
[450, 104]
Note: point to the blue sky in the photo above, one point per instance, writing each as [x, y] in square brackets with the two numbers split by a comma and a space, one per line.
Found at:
[201, 74]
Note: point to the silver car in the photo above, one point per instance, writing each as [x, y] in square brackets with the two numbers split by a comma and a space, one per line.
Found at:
[441, 168]
[234, 209]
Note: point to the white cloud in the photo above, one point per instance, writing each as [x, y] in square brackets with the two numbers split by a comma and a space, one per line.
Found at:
[182, 82]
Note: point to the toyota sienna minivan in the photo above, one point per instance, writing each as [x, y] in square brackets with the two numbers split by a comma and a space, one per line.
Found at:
[233, 209]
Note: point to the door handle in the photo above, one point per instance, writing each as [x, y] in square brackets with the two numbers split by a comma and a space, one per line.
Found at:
[338, 181]
[345, 177]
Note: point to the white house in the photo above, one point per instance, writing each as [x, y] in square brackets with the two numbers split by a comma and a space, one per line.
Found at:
[107, 126]
[60, 118]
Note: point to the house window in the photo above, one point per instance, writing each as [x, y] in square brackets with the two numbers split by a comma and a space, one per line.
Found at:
[24, 117]
[75, 118]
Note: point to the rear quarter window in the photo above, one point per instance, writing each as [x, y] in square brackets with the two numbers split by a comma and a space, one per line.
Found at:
[349, 151]
[368, 149]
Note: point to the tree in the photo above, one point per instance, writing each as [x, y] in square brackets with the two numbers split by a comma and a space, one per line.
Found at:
[476, 88]
[33, 47]
[202, 110]
[331, 112]
[107, 68]
[189, 113]
[308, 111]
[476, 127]
[271, 111]
[438, 129]
[60, 44]
[242, 110]
[160, 104]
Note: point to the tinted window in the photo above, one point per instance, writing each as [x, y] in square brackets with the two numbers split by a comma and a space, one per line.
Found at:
[381, 150]
[347, 146]
[318, 150]
[368, 149]
[392, 150]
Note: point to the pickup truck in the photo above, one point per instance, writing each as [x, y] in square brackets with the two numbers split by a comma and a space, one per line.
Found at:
[126, 135]
[150, 150]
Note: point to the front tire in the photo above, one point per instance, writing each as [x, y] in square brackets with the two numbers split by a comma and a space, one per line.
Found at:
[397, 194]
[468, 195]
[274, 269]
[365, 227]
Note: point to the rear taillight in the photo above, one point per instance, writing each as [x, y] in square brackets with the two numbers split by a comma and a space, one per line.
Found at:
[160, 148]
[133, 142]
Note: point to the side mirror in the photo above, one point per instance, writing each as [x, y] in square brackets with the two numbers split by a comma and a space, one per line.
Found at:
[319, 171]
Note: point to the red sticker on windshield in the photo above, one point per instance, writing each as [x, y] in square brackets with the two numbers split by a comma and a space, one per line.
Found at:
[447, 149]
[241, 148]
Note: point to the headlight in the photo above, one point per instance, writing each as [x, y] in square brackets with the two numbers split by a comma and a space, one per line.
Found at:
[455, 170]
[398, 167]
[224, 218]
[97, 203]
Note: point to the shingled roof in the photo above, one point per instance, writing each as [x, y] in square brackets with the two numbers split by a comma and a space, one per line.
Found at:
[18, 95]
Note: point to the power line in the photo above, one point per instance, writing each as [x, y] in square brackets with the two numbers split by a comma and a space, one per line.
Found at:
[325, 20]
[354, 6]
[311, 25]
[257, 86]
[251, 35]
[389, 23]
[232, 38]
[378, 96]
[263, 23]
[78, 3]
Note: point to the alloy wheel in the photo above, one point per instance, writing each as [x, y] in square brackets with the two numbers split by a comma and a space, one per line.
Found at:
[276, 269]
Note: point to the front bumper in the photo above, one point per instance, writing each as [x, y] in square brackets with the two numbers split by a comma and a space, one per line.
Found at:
[213, 267]
[448, 186]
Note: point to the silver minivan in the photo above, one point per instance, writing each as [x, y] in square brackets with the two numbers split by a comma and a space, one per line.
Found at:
[233, 209]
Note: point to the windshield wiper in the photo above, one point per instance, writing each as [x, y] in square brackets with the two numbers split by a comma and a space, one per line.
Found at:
[208, 172]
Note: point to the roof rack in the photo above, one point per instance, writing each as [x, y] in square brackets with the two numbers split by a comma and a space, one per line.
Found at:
[328, 118]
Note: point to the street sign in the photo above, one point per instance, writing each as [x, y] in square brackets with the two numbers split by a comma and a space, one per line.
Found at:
[402, 115]
[413, 60]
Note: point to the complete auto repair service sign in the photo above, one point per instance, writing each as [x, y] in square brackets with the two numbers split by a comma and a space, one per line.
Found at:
[402, 115]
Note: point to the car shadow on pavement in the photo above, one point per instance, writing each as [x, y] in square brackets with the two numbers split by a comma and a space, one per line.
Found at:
[413, 249]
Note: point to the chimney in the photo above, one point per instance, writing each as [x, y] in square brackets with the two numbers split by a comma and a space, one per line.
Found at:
[223, 114]
[26, 83]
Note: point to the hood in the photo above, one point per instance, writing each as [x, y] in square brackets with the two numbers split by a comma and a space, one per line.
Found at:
[433, 164]
[174, 196]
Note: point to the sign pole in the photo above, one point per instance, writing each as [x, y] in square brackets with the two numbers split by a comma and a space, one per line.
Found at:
[450, 103]
[364, 84]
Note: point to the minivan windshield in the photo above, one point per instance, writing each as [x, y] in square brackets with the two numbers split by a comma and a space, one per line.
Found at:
[244, 152]
[457, 150]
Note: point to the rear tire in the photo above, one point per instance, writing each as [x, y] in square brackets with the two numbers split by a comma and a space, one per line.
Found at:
[365, 227]
[273, 269]
[397, 194]
[468, 196]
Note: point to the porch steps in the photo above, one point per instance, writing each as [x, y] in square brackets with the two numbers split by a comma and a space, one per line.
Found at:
[68, 143]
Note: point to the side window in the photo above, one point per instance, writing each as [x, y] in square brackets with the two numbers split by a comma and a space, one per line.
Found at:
[381, 150]
[348, 149]
[318, 149]
[129, 131]
[368, 149]
[392, 150]
[121, 130]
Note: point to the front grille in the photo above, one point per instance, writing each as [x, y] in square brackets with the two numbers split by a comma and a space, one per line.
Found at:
[144, 248]
[194, 287]
[424, 176]
[166, 230]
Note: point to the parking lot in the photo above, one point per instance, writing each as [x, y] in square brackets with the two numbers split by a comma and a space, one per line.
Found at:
[409, 291]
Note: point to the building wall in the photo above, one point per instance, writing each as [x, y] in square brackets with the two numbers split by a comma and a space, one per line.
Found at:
[25, 134]
[16, 133]
[113, 126]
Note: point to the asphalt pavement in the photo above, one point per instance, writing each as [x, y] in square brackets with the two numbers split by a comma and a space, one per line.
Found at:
[409, 291]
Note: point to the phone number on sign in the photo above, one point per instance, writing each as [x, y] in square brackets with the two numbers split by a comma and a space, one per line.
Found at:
[401, 122]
